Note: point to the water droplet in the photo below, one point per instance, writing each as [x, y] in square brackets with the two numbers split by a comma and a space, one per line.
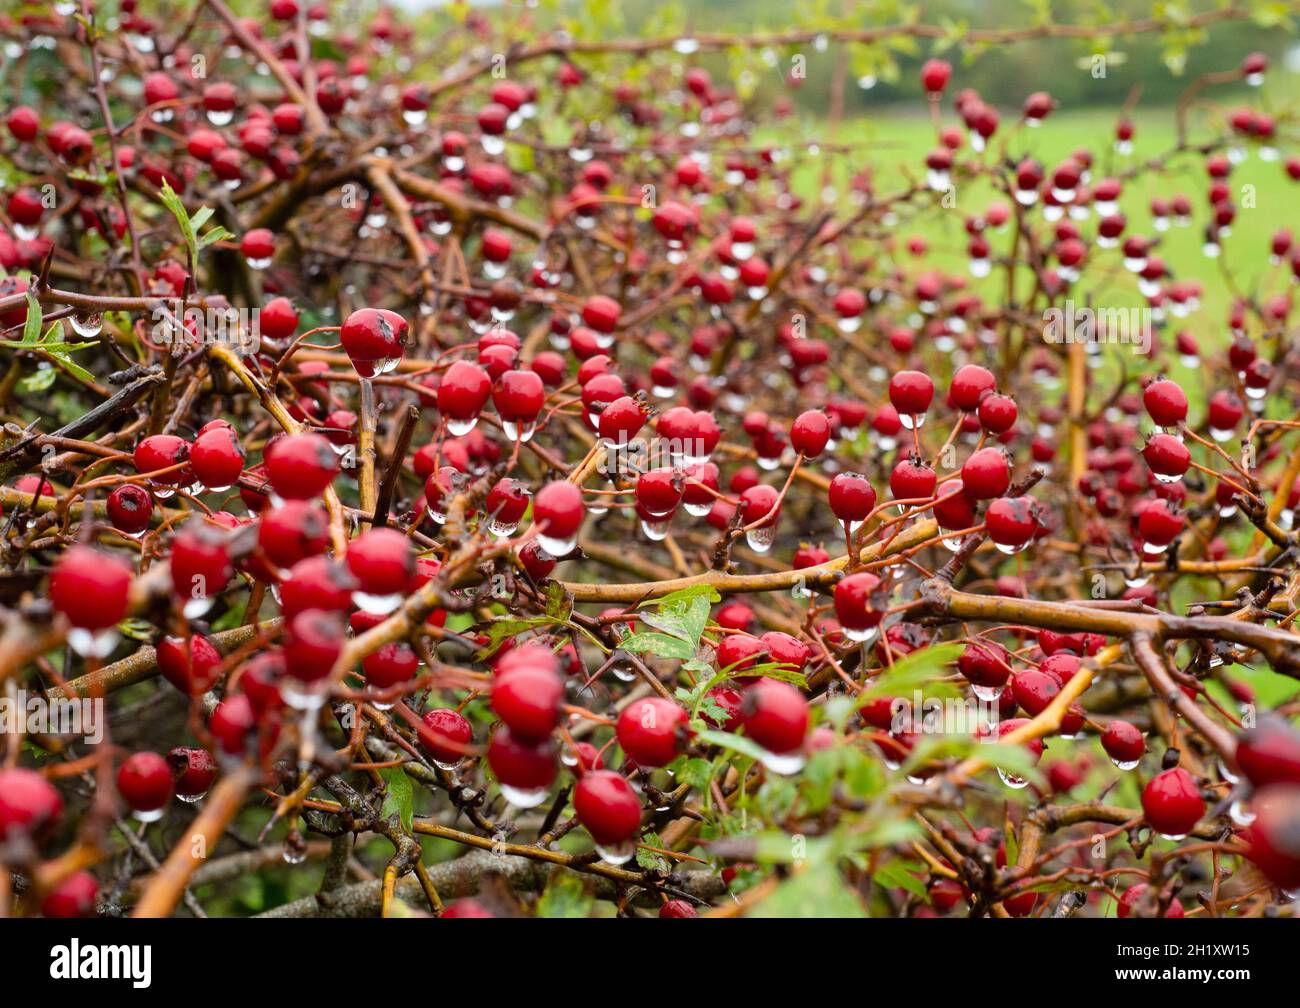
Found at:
[986, 693]
[306, 697]
[459, 428]
[523, 798]
[655, 531]
[618, 854]
[785, 764]
[493, 145]
[862, 636]
[514, 432]
[1125, 764]
[1011, 780]
[1240, 814]
[153, 815]
[557, 547]
[221, 118]
[761, 539]
[415, 117]
[197, 607]
[93, 644]
[912, 422]
[192, 799]
[259, 264]
[379, 605]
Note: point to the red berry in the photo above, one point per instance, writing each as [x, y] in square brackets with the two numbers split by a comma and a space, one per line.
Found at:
[935, 74]
[859, 603]
[608, 807]
[1034, 690]
[1011, 521]
[1270, 753]
[301, 466]
[258, 246]
[292, 532]
[528, 698]
[912, 479]
[1165, 402]
[312, 644]
[144, 781]
[374, 340]
[601, 313]
[382, 563]
[162, 451]
[519, 397]
[130, 508]
[1123, 743]
[277, 320]
[1172, 802]
[998, 413]
[852, 497]
[74, 897]
[986, 664]
[810, 432]
[446, 735]
[29, 805]
[677, 908]
[558, 513]
[651, 731]
[970, 385]
[986, 474]
[462, 393]
[191, 664]
[393, 664]
[217, 458]
[90, 588]
[193, 771]
[1271, 839]
[910, 393]
[1167, 456]
[524, 766]
[775, 716]
[200, 565]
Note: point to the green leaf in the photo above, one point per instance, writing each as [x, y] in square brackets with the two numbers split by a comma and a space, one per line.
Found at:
[32, 325]
[498, 630]
[559, 603]
[399, 798]
[736, 743]
[898, 875]
[695, 772]
[39, 380]
[649, 860]
[190, 225]
[661, 645]
[566, 896]
[909, 673]
[816, 891]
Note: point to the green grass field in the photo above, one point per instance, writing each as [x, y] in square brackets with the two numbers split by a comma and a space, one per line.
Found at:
[894, 146]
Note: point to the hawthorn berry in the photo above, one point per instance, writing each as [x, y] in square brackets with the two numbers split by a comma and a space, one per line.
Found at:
[1172, 803]
[611, 812]
[651, 731]
[30, 806]
[144, 780]
[446, 735]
